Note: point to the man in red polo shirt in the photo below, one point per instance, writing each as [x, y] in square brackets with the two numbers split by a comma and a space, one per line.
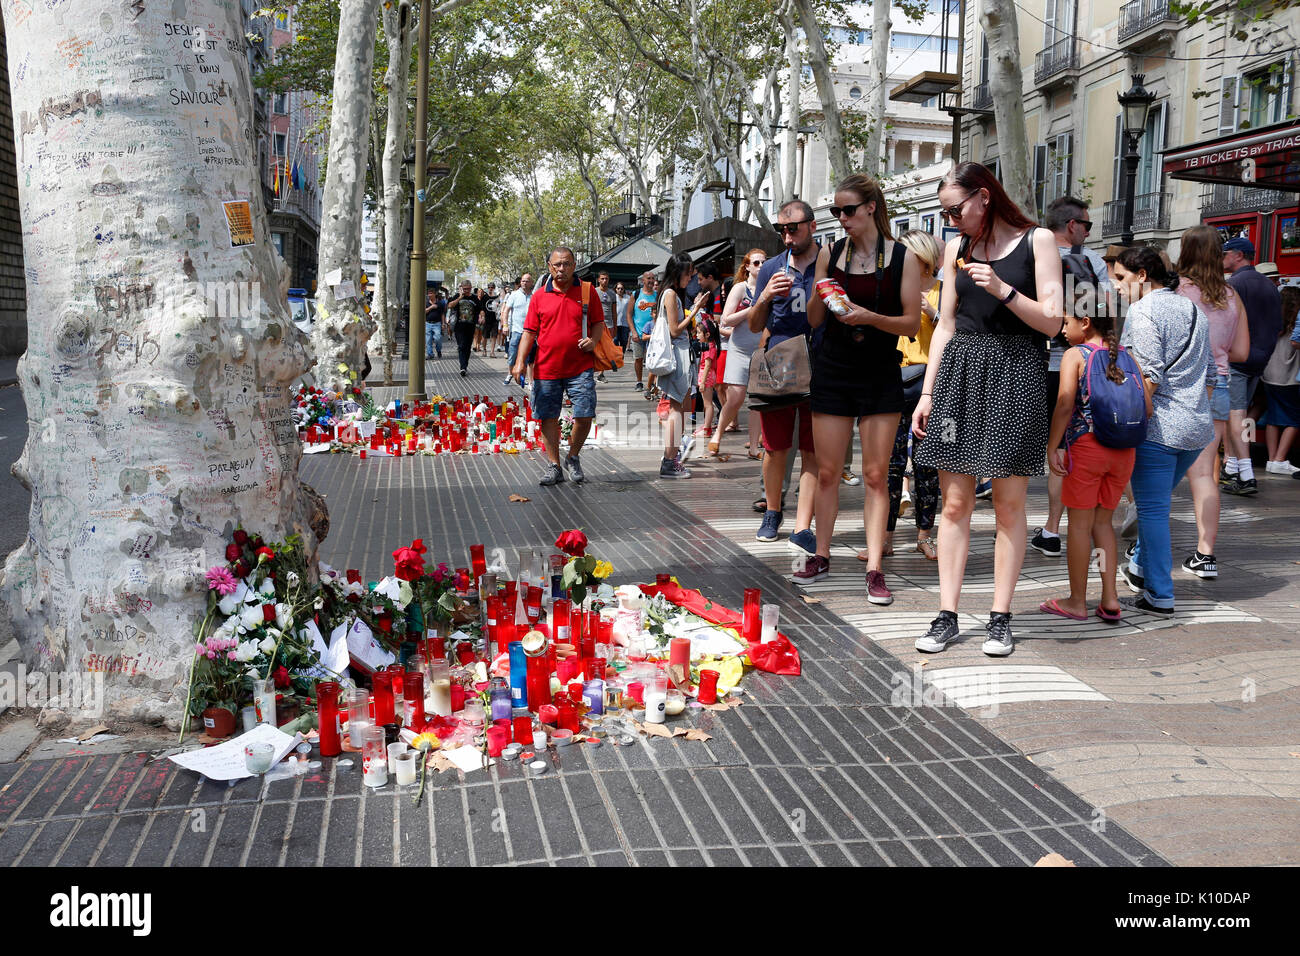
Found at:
[564, 360]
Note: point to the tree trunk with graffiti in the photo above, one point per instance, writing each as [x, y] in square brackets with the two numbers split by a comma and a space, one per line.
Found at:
[160, 353]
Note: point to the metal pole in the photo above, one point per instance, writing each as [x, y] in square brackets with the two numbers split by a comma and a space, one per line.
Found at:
[415, 325]
[1130, 186]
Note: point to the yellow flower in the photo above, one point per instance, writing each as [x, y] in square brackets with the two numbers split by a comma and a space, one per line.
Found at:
[426, 742]
[602, 570]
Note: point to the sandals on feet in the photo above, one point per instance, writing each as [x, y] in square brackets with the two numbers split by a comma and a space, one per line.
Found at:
[927, 548]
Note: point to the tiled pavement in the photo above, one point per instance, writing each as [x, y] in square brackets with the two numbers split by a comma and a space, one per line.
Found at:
[817, 769]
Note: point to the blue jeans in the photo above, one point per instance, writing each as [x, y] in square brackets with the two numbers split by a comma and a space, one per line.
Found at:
[1157, 470]
[548, 396]
[432, 338]
[514, 349]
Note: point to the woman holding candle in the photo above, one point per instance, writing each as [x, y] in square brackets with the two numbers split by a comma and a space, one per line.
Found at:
[855, 375]
[983, 408]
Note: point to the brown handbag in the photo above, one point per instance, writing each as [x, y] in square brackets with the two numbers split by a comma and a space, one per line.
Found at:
[781, 376]
[607, 355]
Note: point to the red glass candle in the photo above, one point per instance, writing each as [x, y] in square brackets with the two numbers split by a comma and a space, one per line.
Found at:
[708, 690]
[547, 714]
[497, 738]
[662, 579]
[575, 692]
[560, 619]
[538, 682]
[363, 454]
[398, 673]
[577, 626]
[462, 579]
[524, 731]
[383, 690]
[567, 717]
[437, 649]
[752, 619]
[636, 690]
[477, 560]
[327, 708]
[465, 652]
[508, 597]
[679, 653]
[605, 632]
[533, 604]
[566, 669]
[457, 697]
[493, 621]
[413, 688]
[597, 671]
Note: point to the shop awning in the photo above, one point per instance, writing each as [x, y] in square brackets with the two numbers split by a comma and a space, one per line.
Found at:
[1267, 158]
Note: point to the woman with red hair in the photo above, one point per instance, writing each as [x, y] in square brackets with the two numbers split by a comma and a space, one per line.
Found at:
[983, 407]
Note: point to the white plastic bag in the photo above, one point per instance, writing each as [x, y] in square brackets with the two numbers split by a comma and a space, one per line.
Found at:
[659, 356]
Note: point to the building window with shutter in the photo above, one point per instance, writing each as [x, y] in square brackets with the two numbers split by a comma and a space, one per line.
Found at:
[1053, 165]
[1257, 98]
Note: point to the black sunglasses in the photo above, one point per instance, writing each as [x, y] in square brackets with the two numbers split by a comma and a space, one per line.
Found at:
[1086, 223]
[954, 212]
[850, 210]
[790, 228]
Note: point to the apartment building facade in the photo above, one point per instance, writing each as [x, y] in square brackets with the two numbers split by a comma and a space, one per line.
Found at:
[1210, 85]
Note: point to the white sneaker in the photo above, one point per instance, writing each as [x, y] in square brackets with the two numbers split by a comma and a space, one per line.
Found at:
[1281, 468]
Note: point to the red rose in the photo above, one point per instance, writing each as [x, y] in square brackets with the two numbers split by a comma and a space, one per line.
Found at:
[268, 613]
[281, 676]
[233, 552]
[242, 569]
[572, 543]
[257, 543]
[385, 623]
[241, 537]
[354, 576]
[356, 390]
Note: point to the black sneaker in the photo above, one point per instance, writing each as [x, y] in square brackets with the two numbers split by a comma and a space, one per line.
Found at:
[1202, 565]
[1224, 477]
[1142, 604]
[943, 631]
[998, 641]
[575, 469]
[601, 378]
[638, 387]
[552, 476]
[462, 373]
[1048, 546]
[1136, 583]
[1238, 487]
[672, 468]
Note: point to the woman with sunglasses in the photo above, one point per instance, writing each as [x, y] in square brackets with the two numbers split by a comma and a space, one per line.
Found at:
[983, 407]
[740, 349]
[855, 374]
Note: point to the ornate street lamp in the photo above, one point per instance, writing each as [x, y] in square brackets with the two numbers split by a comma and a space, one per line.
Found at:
[1135, 104]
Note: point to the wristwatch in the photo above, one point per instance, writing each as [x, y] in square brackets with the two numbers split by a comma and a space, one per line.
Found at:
[1010, 295]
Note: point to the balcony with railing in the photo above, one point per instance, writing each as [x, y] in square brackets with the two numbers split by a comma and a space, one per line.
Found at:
[1221, 199]
[1150, 214]
[1138, 16]
[983, 99]
[1057, 61]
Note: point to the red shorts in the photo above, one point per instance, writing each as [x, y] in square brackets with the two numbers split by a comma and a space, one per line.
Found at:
[778, 428]
[1097, 474]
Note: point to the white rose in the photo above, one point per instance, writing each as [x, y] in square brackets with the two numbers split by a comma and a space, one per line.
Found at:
[283, 616]
[251, 616]
[246, 651]
[293, 579]
[228, 604]
[267, 645]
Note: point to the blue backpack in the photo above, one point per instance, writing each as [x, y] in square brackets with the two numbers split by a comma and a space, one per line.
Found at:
[1119, 411]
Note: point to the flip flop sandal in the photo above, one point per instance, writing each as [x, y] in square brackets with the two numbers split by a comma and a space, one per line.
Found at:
[1110, 617]
[926, 547]
[1051, 607]
[758, 457]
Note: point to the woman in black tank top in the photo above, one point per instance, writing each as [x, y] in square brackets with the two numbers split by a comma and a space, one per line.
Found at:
[855, 374]
[983, 408]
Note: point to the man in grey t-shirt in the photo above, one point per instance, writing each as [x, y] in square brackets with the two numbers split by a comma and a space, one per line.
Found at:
[609, 303]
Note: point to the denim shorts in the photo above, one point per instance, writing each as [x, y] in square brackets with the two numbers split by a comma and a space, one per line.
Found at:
[1219, 403]
[1240, 387]
[548, 396]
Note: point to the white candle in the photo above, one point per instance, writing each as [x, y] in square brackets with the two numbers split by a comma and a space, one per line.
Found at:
[406, 769]
[439, 700]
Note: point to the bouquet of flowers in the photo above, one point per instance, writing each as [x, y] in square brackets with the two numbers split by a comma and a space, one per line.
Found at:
[259, 603]
[582, 571]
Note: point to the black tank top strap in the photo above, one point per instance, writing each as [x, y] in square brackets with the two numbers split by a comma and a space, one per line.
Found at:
[978, 311]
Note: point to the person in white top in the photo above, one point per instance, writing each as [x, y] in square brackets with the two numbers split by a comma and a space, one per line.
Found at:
[513, 314]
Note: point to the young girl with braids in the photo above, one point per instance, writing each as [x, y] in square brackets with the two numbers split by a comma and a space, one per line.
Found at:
[1094, 475]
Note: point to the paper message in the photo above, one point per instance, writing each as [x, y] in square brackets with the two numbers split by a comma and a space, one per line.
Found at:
[363, 647]
[239, 219]
[226, 761]
[346, 290]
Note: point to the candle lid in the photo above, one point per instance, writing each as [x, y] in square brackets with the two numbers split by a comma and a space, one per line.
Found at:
[534, 643]
[538, 766]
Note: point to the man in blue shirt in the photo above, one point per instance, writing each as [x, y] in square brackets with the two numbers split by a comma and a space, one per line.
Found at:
[782, 290]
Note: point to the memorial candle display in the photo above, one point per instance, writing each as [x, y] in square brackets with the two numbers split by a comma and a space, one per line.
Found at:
[752, 621]
[374, 758]
[327, 702]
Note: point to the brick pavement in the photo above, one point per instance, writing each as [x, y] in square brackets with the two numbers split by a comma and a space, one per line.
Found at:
[819, 769]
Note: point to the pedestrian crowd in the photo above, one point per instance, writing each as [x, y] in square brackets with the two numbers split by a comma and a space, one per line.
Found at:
[964, 370]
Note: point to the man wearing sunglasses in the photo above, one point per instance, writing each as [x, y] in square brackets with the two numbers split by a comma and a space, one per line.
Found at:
[782, 290]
